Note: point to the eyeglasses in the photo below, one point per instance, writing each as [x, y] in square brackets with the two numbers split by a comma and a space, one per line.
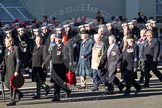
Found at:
[148, 35]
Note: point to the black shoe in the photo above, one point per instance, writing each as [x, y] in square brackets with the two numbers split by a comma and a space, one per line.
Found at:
[160, 79]
[110, 92]
[121, 88]
[126, 94]
[36, 97]
[47, 89]
[94, 89]
[145, 86]
[21, 95]
[138, 90]
[55, 100]
[11, 104]
[82, 87]
[141, 80]
[150, 76]
[67, 94]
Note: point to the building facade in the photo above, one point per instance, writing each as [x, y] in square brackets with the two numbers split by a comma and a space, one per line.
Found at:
[65, 9]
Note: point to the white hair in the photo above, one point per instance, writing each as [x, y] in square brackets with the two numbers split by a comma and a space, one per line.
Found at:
[97, 36]
[112, 37]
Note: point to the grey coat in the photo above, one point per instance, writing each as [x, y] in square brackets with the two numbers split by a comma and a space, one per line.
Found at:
[111, 63]
[11, 64]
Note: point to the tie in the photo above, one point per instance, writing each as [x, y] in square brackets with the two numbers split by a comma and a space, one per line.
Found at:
[149, 43]
[108, 52]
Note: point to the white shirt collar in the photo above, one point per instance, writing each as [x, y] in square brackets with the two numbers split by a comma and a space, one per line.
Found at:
[112, 45]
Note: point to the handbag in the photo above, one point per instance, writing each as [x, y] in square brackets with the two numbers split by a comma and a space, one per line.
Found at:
[71, 78]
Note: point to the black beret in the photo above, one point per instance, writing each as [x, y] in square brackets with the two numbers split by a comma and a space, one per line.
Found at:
[58, 36]
[130, 36]
[84, 32]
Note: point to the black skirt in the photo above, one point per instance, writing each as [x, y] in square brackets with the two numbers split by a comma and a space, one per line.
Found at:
[60, 70]
[38, 74]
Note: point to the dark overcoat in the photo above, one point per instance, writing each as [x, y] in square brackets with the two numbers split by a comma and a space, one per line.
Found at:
[38, 57]
[58, 65]
[11, 64]
[130, 62]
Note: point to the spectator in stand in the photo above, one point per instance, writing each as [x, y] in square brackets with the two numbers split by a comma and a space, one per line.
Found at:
[141, 18]
[150, 26]
[45, 20]
[77, 21]
[100, 18]
[121, 18]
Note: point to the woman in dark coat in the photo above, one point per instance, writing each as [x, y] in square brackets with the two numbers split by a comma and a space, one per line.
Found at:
[40, 52]
[130, 63]
[67, 54]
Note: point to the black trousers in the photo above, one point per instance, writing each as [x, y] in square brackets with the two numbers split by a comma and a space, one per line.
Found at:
[58, 77]
[118, 83]
[115, 82]
[57, 89]
[133, 83]
[38, 88]
[130, 80]
[151, 66]
[40, 85]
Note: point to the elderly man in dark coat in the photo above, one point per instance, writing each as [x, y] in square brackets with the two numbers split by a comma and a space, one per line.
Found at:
[110, 61]
[84, 67]
[129, 58]
[12, 67]
[151, 53]
[58, 74]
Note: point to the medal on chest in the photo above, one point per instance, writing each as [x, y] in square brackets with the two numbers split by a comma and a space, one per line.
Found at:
[59, 48]
[24, 49]
[0, 51]
[97, 50]
[11, 49]
[8, 53]
[129, 50]
[149, 44]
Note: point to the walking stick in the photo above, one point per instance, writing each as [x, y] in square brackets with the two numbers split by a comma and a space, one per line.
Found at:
[2, 85]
